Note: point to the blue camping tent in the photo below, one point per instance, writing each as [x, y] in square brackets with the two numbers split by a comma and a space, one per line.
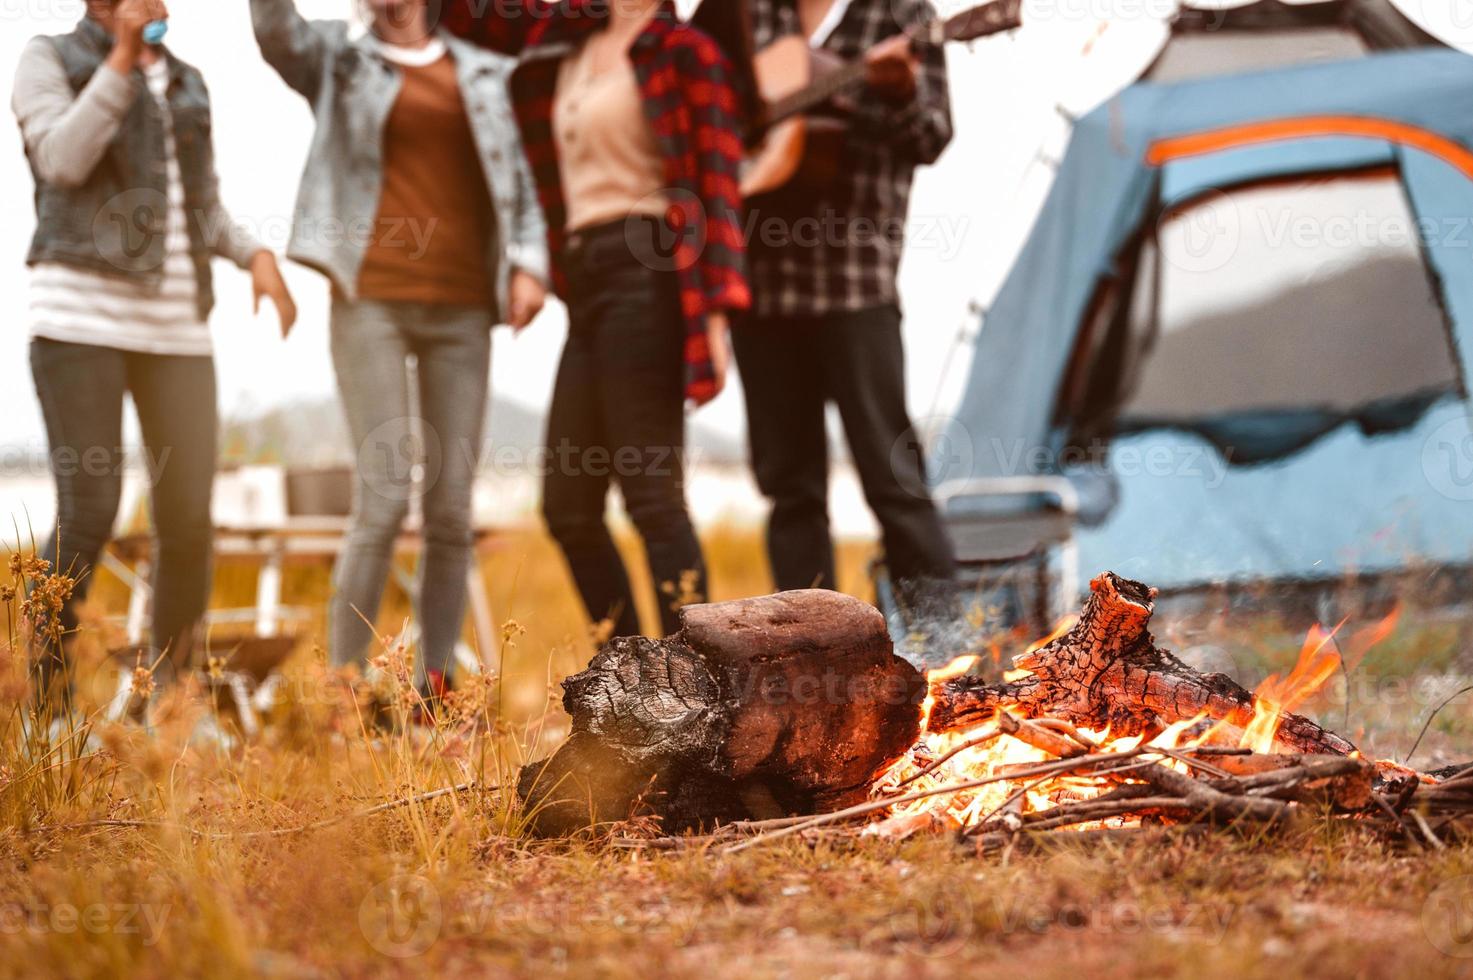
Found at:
[1242, 326]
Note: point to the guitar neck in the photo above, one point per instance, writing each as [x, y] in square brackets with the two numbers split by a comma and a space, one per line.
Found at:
[816, 94]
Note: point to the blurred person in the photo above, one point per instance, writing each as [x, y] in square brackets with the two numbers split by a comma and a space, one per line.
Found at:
[634, 122]
[117, 132]
[417, 156]
[825, 323]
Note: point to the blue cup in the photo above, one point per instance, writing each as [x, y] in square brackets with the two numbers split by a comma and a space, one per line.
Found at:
[154, 31]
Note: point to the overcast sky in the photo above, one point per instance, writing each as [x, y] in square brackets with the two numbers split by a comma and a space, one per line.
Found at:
[969, 215]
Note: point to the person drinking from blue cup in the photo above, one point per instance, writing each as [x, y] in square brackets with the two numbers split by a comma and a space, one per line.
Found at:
[117, 132]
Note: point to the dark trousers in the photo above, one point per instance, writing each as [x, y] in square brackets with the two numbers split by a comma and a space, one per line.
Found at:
[82, 389]
[791, 368]
[618, 417]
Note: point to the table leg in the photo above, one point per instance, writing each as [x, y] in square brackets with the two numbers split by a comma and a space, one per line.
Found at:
[268, 594]
[140, 597]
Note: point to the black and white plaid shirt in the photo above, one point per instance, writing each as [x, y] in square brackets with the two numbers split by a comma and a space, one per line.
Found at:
[840, 251]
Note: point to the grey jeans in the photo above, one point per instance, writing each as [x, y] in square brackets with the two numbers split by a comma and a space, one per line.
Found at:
[82, 389]
[371, 342]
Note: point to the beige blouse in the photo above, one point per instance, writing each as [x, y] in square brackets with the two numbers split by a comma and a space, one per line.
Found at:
[607, 155]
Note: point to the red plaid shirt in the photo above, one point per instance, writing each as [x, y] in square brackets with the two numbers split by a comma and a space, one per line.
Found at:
[686, 82]
[502, 25]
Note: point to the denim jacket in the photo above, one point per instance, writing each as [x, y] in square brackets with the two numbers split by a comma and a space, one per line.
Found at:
[107, 214]
[351, 89]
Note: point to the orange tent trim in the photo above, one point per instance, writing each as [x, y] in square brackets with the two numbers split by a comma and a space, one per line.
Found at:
[1308, 127]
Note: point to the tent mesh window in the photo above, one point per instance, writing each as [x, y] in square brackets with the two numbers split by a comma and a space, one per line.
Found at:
[1229, 328]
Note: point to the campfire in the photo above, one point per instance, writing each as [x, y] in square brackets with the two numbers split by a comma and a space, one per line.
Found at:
[776, 716]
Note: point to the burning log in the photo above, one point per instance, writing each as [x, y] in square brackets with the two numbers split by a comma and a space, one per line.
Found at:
[791, 703]
[796, 704]
[1107, 673]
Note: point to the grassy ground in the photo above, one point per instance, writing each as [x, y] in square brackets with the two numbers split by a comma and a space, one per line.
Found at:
[451, 886]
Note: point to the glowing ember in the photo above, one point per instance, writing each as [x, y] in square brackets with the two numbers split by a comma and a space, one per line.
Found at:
[956, 668]
[1060, 628]
[988, 751]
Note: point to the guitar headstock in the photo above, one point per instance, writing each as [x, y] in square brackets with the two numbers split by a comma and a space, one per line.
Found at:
[988, 19]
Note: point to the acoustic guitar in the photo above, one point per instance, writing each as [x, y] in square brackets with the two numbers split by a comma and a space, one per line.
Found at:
[801, 152]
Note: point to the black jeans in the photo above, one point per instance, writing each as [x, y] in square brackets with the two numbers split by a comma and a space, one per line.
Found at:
[791, 368]
[81, 389]
[618, 417]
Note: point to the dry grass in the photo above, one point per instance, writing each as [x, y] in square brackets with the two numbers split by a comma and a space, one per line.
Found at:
[452, 887]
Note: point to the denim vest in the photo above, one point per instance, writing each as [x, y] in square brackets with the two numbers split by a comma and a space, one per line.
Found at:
[114, 224]
[351, 89]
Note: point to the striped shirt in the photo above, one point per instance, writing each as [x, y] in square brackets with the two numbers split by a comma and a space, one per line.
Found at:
[79, 306]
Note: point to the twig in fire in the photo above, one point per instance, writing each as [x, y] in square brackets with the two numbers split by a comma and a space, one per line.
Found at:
[1056, 768]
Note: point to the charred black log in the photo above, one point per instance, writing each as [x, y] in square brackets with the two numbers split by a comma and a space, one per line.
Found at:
[1107, 672]
[786, 704]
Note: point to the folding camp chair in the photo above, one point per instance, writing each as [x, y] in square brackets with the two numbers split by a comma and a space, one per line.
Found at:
[243, 681]
[1017, 566]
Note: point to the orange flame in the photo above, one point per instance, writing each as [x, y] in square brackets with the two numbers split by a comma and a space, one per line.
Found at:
[1060, 628]
[1317, 664]
[1363, 639]
[1319, 660]
[1063, 626]
[956, 668]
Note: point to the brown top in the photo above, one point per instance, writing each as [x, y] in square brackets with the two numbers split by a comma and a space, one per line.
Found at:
[607, 155]
[435, 219]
